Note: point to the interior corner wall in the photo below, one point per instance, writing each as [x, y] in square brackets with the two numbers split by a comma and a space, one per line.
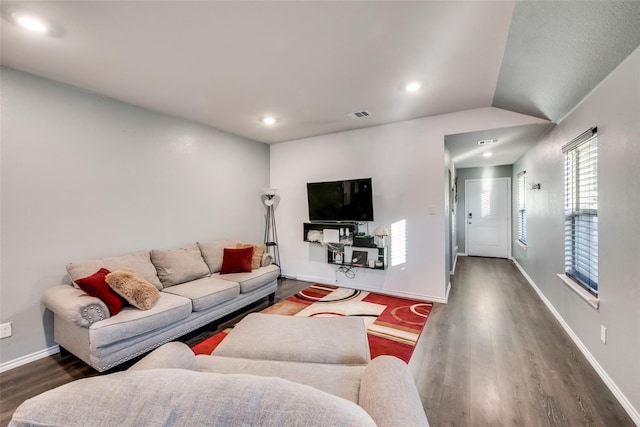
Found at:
[405, 162]
[474, 173]
[85, 176]
[450, 208]
[614, 107]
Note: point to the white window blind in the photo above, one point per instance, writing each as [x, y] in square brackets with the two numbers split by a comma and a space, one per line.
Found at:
[581, 210]
[522, 207]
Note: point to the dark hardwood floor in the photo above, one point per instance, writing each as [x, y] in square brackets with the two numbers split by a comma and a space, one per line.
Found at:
[494, 355]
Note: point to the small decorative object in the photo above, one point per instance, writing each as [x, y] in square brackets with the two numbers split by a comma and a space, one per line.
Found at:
[378, 263]
[359, 258]
[372, 263]
[337, 257]
[381, 233]
[314, 236]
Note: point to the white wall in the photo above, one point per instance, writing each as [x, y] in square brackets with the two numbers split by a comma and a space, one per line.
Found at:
[614, 107]
[85, 176]
[449, 206]
[405, 161]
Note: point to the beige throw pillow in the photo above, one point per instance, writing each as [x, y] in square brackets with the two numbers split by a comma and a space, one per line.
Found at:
[132, 287]
[258, 250]
[179, 265]
[213, 252]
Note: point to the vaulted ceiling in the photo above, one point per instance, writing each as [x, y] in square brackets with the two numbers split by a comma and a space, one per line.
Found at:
[309, 64]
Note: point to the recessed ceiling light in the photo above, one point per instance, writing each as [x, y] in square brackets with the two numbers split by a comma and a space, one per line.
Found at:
[31, 23]
[269, 121]
[413, 86]
[488, 154]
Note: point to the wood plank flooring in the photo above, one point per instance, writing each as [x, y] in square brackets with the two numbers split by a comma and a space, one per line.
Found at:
[494, 355]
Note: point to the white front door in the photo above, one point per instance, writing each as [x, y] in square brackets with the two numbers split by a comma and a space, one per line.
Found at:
[487, 217]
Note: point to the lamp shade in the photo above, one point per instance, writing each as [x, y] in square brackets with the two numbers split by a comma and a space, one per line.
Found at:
[268, 196]
[380, 232]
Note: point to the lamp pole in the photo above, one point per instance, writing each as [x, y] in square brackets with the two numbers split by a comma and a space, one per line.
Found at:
[270, 230]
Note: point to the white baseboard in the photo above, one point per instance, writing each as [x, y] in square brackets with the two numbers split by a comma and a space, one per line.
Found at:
[419, 297]
[401, 294]
[633, 412]
[314, 279]
[29, 358]
[461, 254]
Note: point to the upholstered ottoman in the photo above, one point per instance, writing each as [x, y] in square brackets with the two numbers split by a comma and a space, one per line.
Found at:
[328, 340]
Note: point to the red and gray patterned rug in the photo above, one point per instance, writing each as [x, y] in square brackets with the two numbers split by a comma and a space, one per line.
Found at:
[393, 324]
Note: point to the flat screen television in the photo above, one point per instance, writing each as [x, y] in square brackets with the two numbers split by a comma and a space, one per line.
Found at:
[349, 200]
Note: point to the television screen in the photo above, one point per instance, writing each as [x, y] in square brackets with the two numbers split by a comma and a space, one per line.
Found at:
[350, 200]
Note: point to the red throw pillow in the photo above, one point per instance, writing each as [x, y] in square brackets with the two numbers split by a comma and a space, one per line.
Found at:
[236, 260]
[97, 286]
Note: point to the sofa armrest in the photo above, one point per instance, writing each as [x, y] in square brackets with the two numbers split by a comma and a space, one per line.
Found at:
[267, 259]
[388, 393]
[74, 305]
[170, 355]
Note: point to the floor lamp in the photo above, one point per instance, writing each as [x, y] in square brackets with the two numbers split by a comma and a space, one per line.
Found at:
[270, 231]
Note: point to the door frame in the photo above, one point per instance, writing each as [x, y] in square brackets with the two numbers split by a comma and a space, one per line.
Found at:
[466, 210]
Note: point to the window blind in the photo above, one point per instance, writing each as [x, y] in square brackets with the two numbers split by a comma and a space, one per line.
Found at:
[581, 209]
[522, 207]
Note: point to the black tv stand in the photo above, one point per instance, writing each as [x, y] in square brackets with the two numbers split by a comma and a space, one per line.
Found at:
[347, 232]
[348, 228]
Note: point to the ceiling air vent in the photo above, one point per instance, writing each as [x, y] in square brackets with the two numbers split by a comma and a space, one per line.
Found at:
[359, 114]
[487, 141]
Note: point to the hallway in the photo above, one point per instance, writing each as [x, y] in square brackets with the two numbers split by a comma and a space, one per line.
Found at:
[495, 356]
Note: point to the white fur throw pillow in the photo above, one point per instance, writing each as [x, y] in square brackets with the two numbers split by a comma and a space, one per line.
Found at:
[134, 288]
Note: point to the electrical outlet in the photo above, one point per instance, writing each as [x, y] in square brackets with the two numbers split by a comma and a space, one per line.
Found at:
[603, 334]
[5, 330]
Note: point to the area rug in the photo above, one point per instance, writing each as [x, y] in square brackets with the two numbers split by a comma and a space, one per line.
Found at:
[393, 324]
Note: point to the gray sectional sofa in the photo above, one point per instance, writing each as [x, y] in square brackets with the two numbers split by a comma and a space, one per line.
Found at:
[269, 371]
[193, 294]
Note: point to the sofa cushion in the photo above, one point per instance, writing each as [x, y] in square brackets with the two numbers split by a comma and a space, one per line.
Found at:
[260, 336]
[254, 279]
[258, 251]
[131, 322]
[179, 265]
[388, 393]
[206, 292]
[97, 286]
[138, 261]
[340, 380]
[212, 252]
[132, 287]
[162, 397]
[237, 260]
[174, 354]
